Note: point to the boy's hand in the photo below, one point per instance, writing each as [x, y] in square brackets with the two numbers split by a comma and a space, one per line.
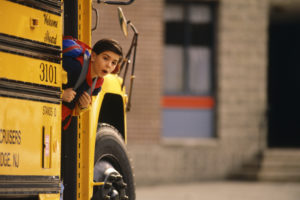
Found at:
[84, 100]
[68, 95]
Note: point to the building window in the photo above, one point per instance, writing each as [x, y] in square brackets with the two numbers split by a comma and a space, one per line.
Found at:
[188, 101]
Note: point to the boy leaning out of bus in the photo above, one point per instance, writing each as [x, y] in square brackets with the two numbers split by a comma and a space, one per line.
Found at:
[105, 58]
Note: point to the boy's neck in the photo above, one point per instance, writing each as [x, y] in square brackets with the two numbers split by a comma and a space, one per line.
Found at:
[93, 74]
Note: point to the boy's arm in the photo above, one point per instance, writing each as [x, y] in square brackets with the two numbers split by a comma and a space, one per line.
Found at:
[68, 95]
[83, 103]
[84, 100]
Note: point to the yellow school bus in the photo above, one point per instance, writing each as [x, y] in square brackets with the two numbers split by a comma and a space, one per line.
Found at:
[31, 78]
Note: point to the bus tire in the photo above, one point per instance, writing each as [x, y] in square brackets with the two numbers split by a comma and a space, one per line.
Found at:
[112, 166]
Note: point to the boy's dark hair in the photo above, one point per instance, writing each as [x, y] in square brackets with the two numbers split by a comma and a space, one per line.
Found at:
[108, 45]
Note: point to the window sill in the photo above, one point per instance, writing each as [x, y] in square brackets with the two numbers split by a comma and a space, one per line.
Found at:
[180, 142]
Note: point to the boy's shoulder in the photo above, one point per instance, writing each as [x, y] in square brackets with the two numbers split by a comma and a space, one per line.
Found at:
[71, 63]
[73, 68]
[73, 53]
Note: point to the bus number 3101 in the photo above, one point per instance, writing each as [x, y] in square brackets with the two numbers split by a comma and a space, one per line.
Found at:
[48, 73]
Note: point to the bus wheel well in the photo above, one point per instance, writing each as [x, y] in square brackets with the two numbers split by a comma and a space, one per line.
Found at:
[112, 112]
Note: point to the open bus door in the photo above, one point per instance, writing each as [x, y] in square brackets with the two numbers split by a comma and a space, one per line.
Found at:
[31, 79]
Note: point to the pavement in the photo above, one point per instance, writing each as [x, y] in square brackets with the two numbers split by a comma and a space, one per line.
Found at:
[224, 190]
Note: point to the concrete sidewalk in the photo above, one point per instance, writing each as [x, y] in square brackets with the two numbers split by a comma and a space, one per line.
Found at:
[229, 190]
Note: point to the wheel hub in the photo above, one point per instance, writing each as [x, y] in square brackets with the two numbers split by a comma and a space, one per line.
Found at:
[114, 187]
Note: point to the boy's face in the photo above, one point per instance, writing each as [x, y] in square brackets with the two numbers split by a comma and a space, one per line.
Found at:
[103, 63]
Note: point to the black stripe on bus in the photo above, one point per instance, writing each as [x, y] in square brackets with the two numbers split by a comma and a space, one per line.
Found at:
[28, 185]
[12, 184]
[51, 6]
[29, 48]
[29, 91]
[20, 178]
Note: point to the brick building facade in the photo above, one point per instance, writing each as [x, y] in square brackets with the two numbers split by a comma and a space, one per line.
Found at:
[240, 90]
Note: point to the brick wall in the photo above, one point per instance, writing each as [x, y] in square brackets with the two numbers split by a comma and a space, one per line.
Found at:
[242, 67]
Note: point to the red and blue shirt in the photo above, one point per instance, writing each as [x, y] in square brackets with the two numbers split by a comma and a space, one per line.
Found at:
[73, 67]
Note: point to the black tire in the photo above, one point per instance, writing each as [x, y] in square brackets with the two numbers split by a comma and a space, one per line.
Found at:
[110, 148]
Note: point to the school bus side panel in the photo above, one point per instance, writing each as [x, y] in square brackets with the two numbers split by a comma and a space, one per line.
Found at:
[30, 105]
[33, 24]
[29, 138]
